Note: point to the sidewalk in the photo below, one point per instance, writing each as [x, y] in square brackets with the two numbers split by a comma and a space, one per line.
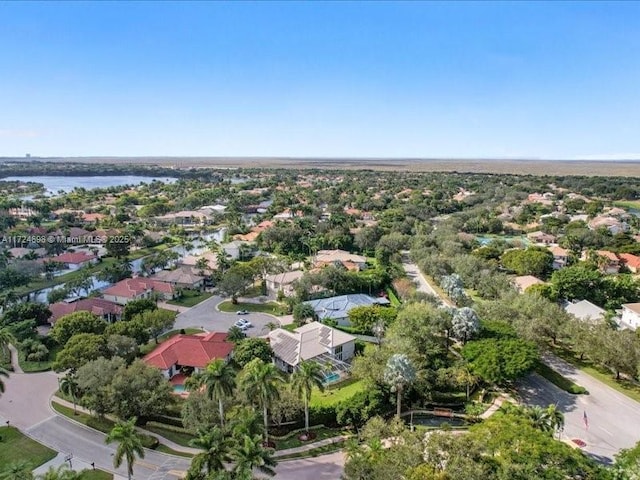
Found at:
[14, 360]
[173, 308]
[77, 465]
[497, 403]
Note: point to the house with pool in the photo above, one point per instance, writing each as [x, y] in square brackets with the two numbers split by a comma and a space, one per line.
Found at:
[317, 342]
[183, 355]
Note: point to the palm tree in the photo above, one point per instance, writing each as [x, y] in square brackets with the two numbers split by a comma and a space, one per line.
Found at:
[20, 470]
[250, 455]
[259, 382]
[399, 373]
[270, 326]
[69, 386]
[3, 373]
[218, 378]
[6, 338]
[538, 418]
[555, 417]
[130, 444]
[308, 375]
[216, 445]
[61, 473]
[235, 334]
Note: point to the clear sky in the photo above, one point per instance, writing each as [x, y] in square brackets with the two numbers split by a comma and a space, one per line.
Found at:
[536, 80]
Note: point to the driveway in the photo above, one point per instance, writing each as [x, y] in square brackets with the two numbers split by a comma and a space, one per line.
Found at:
[206, 316]
[613, 418]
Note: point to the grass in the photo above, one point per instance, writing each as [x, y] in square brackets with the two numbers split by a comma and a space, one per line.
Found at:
[164, 449]
[190, 298]
[625, 387]
[181, 438]
[272, 308]
[333, 447]
[336, 395]
[628, 204]
[558, 380]
[95, 475]
[321, 433]
[15, 447]
[395, 302]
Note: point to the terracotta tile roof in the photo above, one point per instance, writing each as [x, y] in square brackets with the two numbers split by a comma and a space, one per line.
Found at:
[612, 257]
[73, 258]
[630, 260]
[97, 306]
[133, 287]
[190, 351]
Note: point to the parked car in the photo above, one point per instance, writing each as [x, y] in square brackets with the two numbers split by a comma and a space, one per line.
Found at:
[242, 312]
[243, 324]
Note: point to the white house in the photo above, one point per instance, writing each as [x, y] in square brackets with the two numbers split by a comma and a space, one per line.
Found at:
[313, 341]
[283, 281]
[630, 317]
[586, 311]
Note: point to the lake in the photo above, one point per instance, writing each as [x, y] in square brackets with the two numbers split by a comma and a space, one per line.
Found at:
[55, 184]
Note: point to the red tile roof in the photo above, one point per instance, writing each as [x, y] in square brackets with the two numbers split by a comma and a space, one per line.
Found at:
[73, 258]
[630, 260]
[133, 287]
[190, 351]
[97, 306]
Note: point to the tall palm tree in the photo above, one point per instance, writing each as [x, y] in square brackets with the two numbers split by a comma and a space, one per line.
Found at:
[218, 379]
[555, 417]
[216, 445]
[129, 444]
[399, 373]
[69, 386]
[6, 338]
[250, 455]
[308, 375]
[538, 418]
[259, 382]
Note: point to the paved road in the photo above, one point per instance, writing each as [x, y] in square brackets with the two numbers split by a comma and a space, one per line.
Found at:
[206, 315]
[613, 418]
[414, 273]
[26, 405]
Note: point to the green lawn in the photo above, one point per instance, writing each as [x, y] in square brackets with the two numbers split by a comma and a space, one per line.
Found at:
[15, 447]
[270, 307]
[333, 447]
[336, 395]
[164, 449]
[190, 298]
[181, 438]
[32, 367]
[628, 204]
[558, 380]
[95, 475]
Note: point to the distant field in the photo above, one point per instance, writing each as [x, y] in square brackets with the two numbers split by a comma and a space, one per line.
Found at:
[532, 167]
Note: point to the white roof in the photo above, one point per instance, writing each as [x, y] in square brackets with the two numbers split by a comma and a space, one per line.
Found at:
[306, 342]
[585, 310]
[634, 307]
[339, 256]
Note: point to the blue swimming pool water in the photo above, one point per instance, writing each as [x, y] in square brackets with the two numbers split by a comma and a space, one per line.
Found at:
[331, 378]
[178, 389]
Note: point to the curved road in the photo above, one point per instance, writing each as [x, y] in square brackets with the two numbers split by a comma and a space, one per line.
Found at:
[25, 405]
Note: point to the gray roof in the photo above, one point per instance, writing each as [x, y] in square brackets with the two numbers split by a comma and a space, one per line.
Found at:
[306, 342]
[585, 310]
[338, 307]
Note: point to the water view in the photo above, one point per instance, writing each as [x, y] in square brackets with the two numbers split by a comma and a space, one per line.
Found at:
[55, 184]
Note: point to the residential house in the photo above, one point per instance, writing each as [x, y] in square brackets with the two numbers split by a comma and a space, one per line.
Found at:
[333, 257]
[525, 281]
[210, 257]
[337, 308]
[74, 260]
[191, 351]
[614, 225]
[560, 257]
[184, 218]
[235, 249]
[182, 277]
[20, 252]
[100, 307]
[630, 317]
[541, 237]
[313, 341]
[586, 311]
[632, 262]
[136, 288]
[608, 262]
[283, 281]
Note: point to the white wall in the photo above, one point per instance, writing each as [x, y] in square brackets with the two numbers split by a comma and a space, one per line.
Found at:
[630, 317]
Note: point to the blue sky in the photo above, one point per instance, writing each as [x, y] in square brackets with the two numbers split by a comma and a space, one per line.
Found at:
[535, 80]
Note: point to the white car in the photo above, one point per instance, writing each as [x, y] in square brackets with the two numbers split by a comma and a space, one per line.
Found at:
[243, 324]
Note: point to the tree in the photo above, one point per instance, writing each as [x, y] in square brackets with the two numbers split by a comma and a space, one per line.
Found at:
[6, 339]
[303, 312]
[250, 455]
[20, 470]
[95, 381]
[122, 346]
[235, 334]
[199, 411]
[218, 379]
[465, 323]
[259, 381]
[115, 272]
[62, 472]
[235, 281]
[399, 374]
[39, 312]
[581, 281]
[251, 348]
[129, 444]
[308, 375]
[627, 464]
[116, 248]
[69, 386]
[140, 391]
[536, 261]
[132, 328]
[366, 317]
[216, 446]
[156, 321]
[498, 361]
[136, 307]
[74, 323]
[3, 373]
[80, 349]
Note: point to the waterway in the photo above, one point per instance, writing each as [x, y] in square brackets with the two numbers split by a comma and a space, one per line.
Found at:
[56, 184]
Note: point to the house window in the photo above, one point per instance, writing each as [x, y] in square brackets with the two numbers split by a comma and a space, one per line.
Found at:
[338, 352]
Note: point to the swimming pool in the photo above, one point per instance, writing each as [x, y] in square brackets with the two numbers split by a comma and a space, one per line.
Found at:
[427, 420]
[178, 389]
[331, 378]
